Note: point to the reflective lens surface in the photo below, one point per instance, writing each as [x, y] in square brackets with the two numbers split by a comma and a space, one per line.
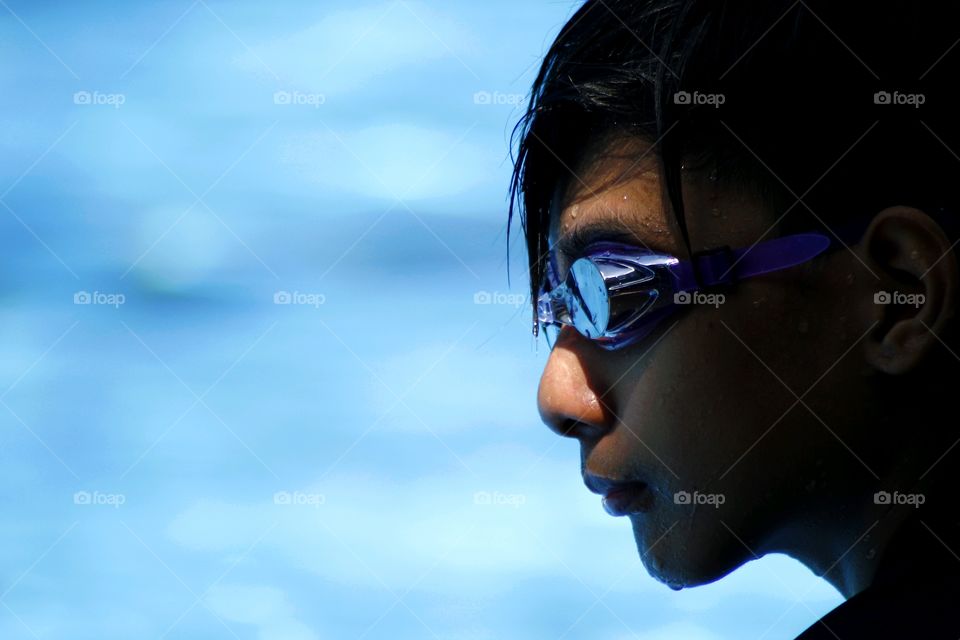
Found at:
[590, 307]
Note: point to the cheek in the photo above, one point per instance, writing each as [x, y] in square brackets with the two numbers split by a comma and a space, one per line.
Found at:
[708, 413]
[702, 399]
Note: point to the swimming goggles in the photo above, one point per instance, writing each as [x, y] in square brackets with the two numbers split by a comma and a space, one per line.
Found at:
[616, 294]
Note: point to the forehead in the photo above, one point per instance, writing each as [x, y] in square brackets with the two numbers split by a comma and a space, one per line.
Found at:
[619, 187]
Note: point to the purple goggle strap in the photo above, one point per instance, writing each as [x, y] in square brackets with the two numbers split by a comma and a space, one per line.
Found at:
[725, 266]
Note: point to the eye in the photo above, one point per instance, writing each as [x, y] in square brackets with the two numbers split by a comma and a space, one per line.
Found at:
[577, 243]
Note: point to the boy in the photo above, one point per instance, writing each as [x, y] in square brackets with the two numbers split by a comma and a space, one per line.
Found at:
[740, 220]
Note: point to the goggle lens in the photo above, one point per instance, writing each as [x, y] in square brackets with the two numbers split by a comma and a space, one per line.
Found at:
[588, 299]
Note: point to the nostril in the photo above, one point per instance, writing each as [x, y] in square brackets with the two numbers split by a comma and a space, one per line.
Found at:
[580, 430]
[578, 414]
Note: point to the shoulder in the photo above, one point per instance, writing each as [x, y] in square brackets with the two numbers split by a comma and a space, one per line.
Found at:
[928, 610]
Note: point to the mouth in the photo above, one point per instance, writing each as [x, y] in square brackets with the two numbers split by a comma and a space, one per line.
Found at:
[620, 497]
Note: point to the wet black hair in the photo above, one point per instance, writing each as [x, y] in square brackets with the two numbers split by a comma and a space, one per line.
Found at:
[851, 106]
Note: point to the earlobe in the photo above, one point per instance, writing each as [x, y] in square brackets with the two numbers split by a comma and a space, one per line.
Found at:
[915, 291]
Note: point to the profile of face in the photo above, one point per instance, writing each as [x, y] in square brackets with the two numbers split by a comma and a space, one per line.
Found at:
[759, 421]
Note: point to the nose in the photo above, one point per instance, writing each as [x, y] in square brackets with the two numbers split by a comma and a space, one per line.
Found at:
[570, 401]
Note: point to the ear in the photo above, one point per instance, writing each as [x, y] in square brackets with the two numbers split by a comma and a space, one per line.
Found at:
[916, 291]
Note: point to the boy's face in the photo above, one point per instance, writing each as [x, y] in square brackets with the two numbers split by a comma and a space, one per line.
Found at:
[742, 420]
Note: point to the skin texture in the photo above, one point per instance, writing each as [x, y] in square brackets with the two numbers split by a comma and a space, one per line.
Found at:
[778, 400]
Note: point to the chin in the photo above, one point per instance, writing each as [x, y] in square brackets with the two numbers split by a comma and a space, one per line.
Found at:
[680, 560]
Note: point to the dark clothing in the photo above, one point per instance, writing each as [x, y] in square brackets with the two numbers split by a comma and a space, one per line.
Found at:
[925, 611]
[915, 592]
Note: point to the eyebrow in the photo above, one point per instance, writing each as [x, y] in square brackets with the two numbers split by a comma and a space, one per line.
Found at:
[572, 243]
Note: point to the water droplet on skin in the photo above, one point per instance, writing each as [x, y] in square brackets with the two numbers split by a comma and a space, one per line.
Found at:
[625, 198]
[589, 399]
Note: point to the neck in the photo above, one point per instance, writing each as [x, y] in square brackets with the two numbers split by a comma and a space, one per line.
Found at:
[888, 541]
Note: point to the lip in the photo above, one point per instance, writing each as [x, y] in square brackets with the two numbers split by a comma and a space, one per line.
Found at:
[620, 497]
